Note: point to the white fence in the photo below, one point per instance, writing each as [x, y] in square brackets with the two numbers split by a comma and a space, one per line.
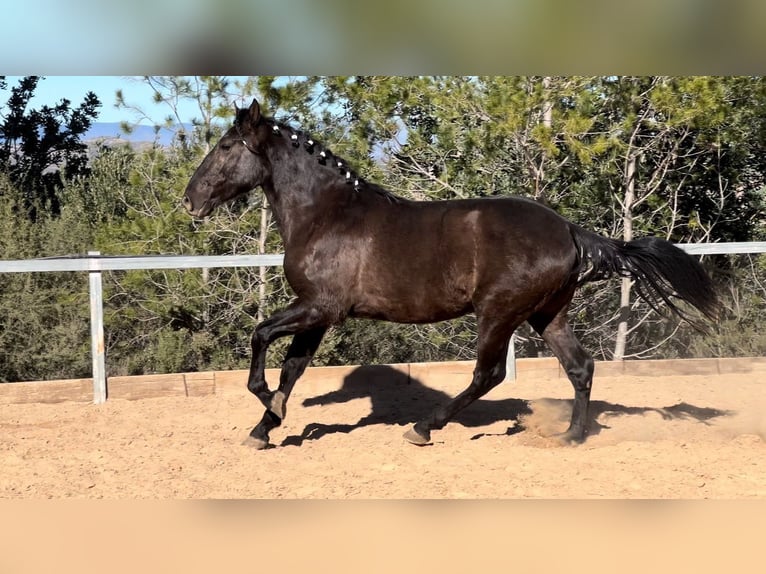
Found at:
[94, 263]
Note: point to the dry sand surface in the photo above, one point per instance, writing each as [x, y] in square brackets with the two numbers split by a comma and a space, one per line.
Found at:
[650, 437]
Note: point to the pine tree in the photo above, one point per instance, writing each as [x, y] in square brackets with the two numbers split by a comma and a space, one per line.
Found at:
[40, 149]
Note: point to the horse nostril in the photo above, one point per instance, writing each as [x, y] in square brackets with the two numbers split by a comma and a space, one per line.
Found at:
[187, 203]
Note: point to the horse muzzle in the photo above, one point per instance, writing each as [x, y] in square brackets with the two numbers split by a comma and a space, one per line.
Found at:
[201, 211]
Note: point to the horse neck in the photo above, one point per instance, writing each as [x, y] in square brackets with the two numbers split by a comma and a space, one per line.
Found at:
[301, 191]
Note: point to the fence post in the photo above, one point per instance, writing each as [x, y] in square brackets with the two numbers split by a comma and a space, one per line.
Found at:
[510, 360]
[97, 330]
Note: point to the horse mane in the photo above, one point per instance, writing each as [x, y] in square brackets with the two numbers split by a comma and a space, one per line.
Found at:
[301, 142]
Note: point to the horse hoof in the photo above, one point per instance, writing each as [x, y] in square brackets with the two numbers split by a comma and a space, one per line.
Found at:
[256, 443]
[415, 437]
[569, 438]
[277, 404]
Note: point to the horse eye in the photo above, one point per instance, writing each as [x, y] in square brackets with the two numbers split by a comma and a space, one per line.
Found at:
[226, 146]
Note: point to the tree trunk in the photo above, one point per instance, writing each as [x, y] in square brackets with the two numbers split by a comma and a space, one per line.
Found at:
[627, 235]
[265, 214]
[205, 285]
[547, 103]
[547, 121]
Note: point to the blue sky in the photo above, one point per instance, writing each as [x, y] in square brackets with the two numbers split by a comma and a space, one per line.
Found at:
[53, 88]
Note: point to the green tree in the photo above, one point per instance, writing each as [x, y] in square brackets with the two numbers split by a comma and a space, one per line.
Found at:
[212, 97]
[697, 145]
[44, 328]
[693, 143]
[670, 166]
[40, 149]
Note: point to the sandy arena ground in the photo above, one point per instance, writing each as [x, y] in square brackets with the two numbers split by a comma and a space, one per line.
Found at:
[650, 437]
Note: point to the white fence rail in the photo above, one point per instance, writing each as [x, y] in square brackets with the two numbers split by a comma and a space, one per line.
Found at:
[95, 263]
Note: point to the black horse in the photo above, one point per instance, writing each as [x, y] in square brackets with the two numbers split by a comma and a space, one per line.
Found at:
[353, 249]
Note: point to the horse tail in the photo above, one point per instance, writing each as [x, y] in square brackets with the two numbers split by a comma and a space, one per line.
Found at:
[661, 271]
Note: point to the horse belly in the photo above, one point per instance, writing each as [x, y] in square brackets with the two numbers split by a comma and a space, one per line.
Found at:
[411, 293]
[420, 268]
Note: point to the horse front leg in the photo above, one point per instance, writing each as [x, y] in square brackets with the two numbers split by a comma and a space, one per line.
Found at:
[256, 379]
[299, 354]
[308, 324]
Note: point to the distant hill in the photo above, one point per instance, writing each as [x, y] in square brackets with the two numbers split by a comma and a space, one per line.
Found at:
[112, 133]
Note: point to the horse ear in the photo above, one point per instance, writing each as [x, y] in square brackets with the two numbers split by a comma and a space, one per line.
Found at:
[254, 112]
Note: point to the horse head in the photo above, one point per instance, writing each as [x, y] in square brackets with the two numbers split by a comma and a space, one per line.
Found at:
[237, 164]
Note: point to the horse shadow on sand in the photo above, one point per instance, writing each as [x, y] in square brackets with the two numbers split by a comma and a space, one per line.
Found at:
[398, 399]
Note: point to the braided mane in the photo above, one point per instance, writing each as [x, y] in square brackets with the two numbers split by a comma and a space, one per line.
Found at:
[302, 142]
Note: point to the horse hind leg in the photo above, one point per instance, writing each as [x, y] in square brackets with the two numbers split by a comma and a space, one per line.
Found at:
[577, 363]
[488, 373]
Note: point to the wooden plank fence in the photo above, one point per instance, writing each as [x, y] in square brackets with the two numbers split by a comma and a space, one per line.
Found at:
[318, 380]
